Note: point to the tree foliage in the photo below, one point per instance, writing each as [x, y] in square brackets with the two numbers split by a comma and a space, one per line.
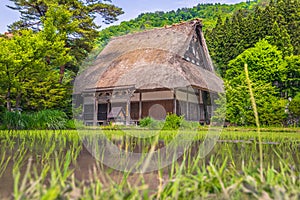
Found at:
[209, 13]
[266, 71]
[74, 19]
[294, 109]
[278, 22]
[292, 83]
[27, 59]
[265, 64]
[49, 41]
[239, 109]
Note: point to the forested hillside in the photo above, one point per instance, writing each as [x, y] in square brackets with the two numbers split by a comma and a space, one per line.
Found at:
[277, 22]
[209, 13]
[267, 39]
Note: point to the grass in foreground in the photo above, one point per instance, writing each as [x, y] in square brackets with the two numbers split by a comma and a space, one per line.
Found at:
[55, 165]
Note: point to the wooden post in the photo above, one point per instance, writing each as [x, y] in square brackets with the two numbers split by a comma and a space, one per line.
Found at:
[140, 106]
[95, 110]
[128, 111]
[205, 101]
[199, 105]
[108, 110]
[187, 104]
[174, 102]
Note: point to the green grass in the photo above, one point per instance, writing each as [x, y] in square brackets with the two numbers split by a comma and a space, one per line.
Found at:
[45, 119]
[49, 165]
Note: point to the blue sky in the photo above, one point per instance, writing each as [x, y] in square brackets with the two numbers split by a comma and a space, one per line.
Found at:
[132, 8]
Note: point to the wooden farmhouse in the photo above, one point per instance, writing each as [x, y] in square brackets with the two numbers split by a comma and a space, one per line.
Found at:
[150, 73]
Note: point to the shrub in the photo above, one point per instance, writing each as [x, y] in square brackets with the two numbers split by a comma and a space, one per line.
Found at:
[15, 120]
[146, 122]
[189, 125]
[173, 122]
[50, 119]
[70, 124]
[45, 119]
[156, 124]
[294, 109]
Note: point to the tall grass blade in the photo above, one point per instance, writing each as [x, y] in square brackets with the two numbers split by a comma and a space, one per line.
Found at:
[256, 120]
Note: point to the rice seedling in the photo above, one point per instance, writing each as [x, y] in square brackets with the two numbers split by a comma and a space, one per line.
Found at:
[57, 165]
[256, 120]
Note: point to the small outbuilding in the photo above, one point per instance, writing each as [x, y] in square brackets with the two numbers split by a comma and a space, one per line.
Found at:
[116, 115]
[150, 73]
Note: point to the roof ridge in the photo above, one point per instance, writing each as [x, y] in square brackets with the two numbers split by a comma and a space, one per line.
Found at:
[193, 23]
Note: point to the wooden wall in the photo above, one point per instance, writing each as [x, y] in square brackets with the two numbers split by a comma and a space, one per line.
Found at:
[194, 104]
[161, 113]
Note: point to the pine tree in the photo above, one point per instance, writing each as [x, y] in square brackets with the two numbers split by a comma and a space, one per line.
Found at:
[279, 37]
[290, 10]
[24, 58]
[74, 18]
[278, 22]
[217, 40]
[266, 69]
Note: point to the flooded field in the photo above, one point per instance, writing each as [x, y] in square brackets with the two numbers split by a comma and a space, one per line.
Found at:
[58, 165]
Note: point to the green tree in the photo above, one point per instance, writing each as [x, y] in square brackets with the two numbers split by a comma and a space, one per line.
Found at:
[277, 21]
[24, 57]
[74, 19]
[294, 109]
[279, 37]
[290, 10]
[265, 62]
[220, 45]
[266, 71]
[48, 93]
[292, 81]
[239, 109]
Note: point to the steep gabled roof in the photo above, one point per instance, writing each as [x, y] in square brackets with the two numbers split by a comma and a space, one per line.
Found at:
[150, 59]
[115, 112]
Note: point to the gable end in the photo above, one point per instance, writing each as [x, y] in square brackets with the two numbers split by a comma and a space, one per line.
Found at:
[195, 52]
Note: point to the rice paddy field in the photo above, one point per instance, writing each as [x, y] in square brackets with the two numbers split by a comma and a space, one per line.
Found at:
[57, 165]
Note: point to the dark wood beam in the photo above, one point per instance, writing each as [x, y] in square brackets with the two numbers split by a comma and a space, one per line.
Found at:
[174, 102]
[140, 106]
[187, 104]
[95, 112]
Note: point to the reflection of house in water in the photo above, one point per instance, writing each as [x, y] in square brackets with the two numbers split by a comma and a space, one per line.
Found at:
[152, 73]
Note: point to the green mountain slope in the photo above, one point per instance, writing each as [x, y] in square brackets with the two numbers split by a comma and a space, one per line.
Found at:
[278, 22]
[209, 13]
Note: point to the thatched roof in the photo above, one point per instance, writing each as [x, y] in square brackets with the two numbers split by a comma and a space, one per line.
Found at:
[148, 60]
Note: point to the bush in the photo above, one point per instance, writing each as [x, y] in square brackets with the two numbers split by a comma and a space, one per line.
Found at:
[189, 125]
[156, 124]
[294, 109]
[173, 122]
[146, 122]
[71, 124]
[16, 120]
[45, 119]
[50, 119]
[151, 123]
